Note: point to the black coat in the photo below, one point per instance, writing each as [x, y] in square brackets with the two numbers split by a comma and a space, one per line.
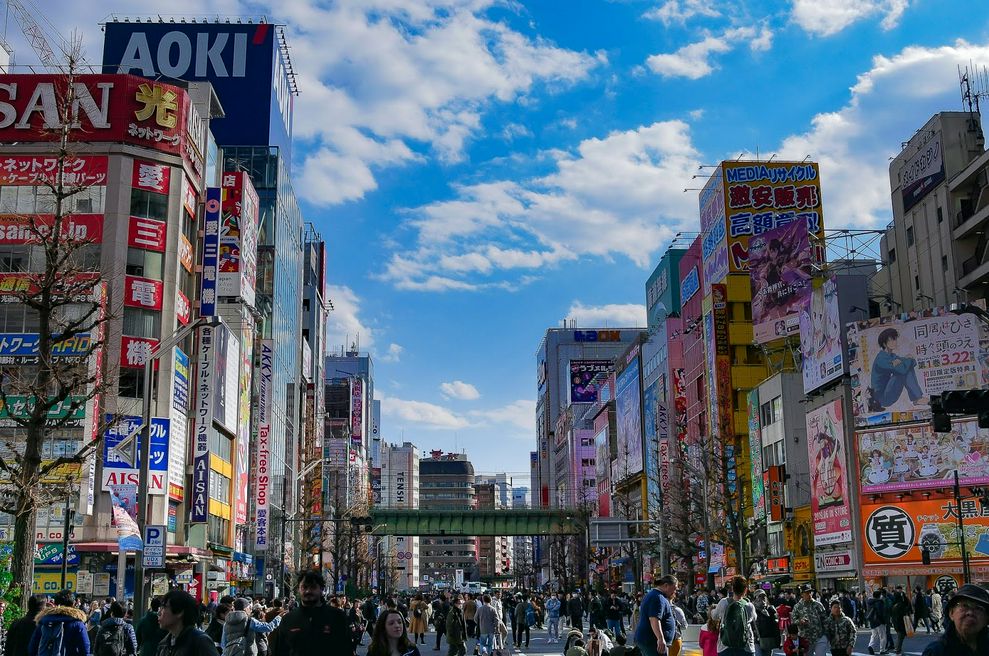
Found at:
[950, 645]
[313, 631]
[191, 642]
[19, 636]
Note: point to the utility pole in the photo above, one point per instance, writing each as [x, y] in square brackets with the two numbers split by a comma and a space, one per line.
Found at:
[966, 574]
[66, 527]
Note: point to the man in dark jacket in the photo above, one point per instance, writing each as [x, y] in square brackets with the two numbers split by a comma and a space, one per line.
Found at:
[149, 634]
[575, 608]
[20, 632]
[75, 640]
[441, 608]
[456, 628]
[314, 628]
[178, 615]
[966, 619]
[876, 616]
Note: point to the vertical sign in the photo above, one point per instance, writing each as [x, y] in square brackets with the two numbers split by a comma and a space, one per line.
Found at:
[211, 253]
[775, 487]
[262, 476]
[829, 504]
[356, 410]
[204, 424]
[755, 456]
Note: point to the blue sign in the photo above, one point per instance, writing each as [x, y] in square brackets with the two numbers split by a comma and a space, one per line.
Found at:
[160, 429]
[244, 63]
[24, 346]
[982, 546]
[691, 283]
[180, 390]
[211, 252]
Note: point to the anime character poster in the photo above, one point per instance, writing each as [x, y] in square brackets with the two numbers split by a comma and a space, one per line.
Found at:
[914, 457]
[780, 271]
[897, 363]
[820, 337]
[829, 503]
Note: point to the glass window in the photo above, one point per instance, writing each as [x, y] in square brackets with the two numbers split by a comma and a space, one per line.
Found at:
[148, 204]
[131, 383]
[139, 322]
[14, 258]
[221, 446]
[909, 235]
[147, 264]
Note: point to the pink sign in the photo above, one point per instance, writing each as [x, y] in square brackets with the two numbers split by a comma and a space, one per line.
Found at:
[828, 478]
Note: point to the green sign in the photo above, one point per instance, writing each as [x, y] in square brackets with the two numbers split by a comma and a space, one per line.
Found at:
[20, 407]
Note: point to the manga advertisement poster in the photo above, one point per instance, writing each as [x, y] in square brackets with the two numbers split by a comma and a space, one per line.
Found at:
[897, 363]
[755, 450]
[629, 416]
[585, 378]
[915, 457]
[820, 337]
[780, 270]
[829, 502]
[714, 248]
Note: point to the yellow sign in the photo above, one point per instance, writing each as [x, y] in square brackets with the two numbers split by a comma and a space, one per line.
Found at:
[51, 582]
[157, 101]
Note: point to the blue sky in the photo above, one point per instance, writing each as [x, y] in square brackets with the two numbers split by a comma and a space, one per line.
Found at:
[482, 170]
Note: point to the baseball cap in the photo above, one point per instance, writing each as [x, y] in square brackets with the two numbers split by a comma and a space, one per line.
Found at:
[806, 587]
[970, 591]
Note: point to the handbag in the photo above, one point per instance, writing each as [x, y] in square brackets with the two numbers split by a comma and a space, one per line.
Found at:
[908, 625]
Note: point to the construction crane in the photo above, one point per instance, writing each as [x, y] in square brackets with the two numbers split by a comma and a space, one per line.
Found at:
[36, 36]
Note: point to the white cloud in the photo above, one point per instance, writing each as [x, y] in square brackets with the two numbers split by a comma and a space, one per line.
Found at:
[514, 131]
[828, 18]
[621, 194]
[888, 104]
[344, 325]
[680, 11]
[394, 353]
[458, 389]
[422, 414]
[519, 414]
[693, 61]
[626, 315]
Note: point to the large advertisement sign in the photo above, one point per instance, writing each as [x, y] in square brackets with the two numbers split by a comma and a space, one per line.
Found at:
[203, 412]
[123, 502]
[780, 271]
[714, 246]
[145, 293]
[755, 451]
[820, 337]
[923, 171]
[356, 410]
[117, 470]
[127, 109]
[914, 457]
[724, 420]
[894, 534]
[226, 354]
[211, 253]
[19, 229]
[240, 61]
[147, 234]
[238, 238]
[22, 348]
[180, 388]
[243, 423]
[829, 503]
[586, 377]
[762, 196]
[628, 412]
[262, 471]
[34, 170]
[897, 363]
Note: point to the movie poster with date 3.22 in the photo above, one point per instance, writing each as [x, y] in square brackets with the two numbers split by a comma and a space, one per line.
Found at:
[829, 503]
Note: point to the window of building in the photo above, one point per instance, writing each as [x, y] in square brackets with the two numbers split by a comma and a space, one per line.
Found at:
[771, 411]
[776, 543]
[221, 446]
[17, 318]
[131, 383]
[892, 255]
[139, 322]
[940, 215]
[219, 487]
[218, 529]
[944, 262]
[147, 264]
[14, 258]
[909, 235]
[148, 204]
[916, 282]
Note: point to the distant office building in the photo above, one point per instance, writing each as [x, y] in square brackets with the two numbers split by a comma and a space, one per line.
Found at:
[399, 556]
[446, 482]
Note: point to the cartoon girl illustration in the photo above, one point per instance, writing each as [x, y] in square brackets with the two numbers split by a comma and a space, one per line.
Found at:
[927, 463]
[900, 466]
[877, 472]
[911, 447]
[828, 470]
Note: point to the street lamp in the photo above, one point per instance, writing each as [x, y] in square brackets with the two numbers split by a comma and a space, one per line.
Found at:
[143, 499]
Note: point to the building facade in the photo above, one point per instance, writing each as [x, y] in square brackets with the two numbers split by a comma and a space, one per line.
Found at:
[447, 483]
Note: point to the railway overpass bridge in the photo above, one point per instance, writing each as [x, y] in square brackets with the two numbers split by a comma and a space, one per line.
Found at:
[394, 521]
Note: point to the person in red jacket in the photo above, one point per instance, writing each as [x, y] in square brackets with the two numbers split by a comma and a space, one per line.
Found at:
[708, 638]
[794, 645]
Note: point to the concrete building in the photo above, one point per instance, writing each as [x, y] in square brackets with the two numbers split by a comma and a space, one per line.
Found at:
[399, 556]
[447, 483]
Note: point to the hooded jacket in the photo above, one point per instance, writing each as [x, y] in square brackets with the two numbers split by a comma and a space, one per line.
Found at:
[75, 640]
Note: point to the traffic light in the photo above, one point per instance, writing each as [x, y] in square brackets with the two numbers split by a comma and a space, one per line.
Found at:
[925, 555]
[362, 522]
[965, 402]
[940, 419]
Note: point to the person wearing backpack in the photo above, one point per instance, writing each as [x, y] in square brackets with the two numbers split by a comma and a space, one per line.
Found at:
[809, 615]
[61, 629]
[19, 633]
[767, 624]
[875, 615]
[656, 629]
[237, 638]
[737, 617]
[115, 636]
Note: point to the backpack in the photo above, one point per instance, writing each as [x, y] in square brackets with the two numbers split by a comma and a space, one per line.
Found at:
[112, 640]
[51, 641]
[733, 633]
[530, 615]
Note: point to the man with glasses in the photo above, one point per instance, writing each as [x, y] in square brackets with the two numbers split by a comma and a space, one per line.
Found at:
[967, 616]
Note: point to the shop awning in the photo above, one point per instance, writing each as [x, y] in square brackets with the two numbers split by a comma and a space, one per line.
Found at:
[774, 578]
[111, 547]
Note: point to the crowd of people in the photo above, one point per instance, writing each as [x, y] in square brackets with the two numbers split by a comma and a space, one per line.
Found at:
[737, 621]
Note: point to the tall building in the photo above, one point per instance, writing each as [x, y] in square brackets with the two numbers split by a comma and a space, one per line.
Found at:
[446, 482]
[501, 556]
[523, 556]
[399, 555]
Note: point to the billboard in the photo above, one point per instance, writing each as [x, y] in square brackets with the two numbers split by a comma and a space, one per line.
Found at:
[356, 410]
[822, 359]
[262, 463]
[179, 429]
[147, 234]
[780, 271]
[34, 170]
[21, 229]
[145, 293]
[243, 425]
[22, 348]
[123, 501]
[829, 502]
[180, 386]
[205, 383]
[127, 109]
[923, 171]
[226, 361]
[238, 238]
[894, 533]
[585, 379]
[628, 411]
[755, 451]
[240, 61]
[714, 245]
[151, 176]
[135, 351]
[897, 363]
[914, 457]
[762, 196]
[211, 253]
[117, 470]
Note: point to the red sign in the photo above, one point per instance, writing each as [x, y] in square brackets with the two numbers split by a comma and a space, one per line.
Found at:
[29, 170]
[148, 234]
[778, 565]
[143, 292]
[18, 229]
[775, 492]
[185, 253]
[151, 176]
[183, 308]
[135, 351]
[120, 108]
[189, 198]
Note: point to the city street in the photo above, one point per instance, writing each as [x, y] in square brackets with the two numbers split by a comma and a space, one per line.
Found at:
[539, 645]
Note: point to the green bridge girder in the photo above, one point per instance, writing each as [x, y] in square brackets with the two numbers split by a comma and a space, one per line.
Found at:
[393, 521]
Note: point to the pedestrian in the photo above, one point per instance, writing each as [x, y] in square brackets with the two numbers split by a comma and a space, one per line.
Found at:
[794, 645]
[456, 628]
[767, 623]
[809, 615]
[876, 618]
[525, 616]
[965, 624]
[936, 609]
[19, 634]
[441, 608]
[737, 618]
[313, 628]
[707, 639]
[921, 612]
[61, 629]
[178, 616]
[470, 610]
[899, 616]
[115, 636]
[147, 631]
[390, 637]
[215, 627]
[575, 610]
[657, 625]
[840, 631]
[487, 625]
[553, 618]
[239, 629]
[418, 622]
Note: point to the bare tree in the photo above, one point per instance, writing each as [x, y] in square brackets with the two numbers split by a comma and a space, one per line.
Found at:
[58, 287]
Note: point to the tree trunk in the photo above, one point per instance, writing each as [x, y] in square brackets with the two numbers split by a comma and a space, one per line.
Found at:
[22, 561]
